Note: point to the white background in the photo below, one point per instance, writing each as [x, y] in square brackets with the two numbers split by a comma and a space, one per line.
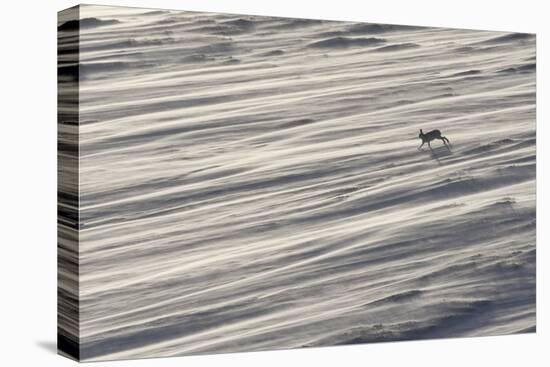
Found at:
[28, 182]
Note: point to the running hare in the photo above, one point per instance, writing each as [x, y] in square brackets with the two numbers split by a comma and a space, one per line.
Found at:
[434, 134]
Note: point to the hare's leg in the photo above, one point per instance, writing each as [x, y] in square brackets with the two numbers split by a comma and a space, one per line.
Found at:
[443, 140]
[420, 146]
[446, 142]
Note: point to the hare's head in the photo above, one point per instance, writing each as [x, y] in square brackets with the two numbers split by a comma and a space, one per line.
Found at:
[421, 134]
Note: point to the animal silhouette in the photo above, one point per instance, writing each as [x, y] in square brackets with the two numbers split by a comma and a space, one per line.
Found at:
[428, 137]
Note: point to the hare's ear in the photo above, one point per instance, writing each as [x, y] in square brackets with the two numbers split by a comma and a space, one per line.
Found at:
[420, 131]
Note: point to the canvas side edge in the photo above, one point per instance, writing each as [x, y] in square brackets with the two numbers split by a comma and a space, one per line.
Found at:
[68, 221]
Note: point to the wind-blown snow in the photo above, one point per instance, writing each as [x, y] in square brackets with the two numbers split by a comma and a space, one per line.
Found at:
[252, 183]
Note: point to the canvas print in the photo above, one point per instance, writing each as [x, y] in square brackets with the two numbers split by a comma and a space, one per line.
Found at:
[235, 183]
